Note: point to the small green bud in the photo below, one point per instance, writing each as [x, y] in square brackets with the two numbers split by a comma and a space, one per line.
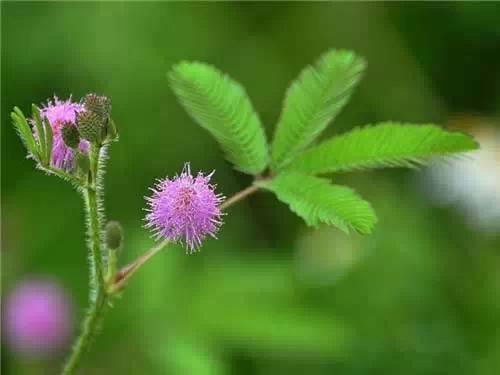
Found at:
[70, 135]
[100, 105]
[89, 126]
[114, 235]
[83, 163]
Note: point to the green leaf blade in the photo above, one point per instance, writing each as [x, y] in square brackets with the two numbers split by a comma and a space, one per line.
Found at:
[387, 144]
[313, 101]
[317, 201]
[40, 131]
[24, 131]
[222, 107]
[49, 139]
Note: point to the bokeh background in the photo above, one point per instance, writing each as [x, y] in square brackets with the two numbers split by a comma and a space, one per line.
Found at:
[270, 296]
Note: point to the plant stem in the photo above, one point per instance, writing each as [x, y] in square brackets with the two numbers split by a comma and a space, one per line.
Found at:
[95, 241]
[91, 199]
[98, 292]
[239, 196]
[89, 327]
[126, 272]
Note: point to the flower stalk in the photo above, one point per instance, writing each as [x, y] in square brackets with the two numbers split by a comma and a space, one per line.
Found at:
[123, 275]
[239, 196]
[91, 196]
[99, 297]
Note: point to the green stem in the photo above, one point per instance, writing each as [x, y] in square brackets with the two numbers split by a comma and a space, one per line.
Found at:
[99, 297]
[90, 325]
[239, 196]
[95, 238]
[126, 272]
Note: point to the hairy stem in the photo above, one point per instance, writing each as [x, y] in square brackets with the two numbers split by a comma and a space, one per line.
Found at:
[89, 327]
[97, 288]
[97, 267]
[239, 196]
[126, 272]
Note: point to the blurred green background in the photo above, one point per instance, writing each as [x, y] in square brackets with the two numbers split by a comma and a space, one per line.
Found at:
[270, 296]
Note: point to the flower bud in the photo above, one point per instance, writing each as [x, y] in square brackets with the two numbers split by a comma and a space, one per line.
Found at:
[100, 105]
[83, 163]
[114, 235]
[89, 126]
[70, 135]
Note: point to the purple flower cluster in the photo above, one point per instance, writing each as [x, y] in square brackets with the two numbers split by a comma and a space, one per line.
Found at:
[185, 208]
[58, 112]
[37, 318]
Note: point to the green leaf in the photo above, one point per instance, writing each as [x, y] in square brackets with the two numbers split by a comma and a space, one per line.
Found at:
[49, 138]
[24, 131]
[384, 145]
[40, 131]
[313, 101]
[221, 106]
[317, 201]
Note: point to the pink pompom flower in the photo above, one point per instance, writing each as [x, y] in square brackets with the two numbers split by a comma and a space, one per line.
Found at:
[58, 112]
[37, 318]
[185, 209]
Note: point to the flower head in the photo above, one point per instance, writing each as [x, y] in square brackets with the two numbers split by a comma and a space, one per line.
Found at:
[59, 112]
[185, 208]
[98, 104]
[37, 318]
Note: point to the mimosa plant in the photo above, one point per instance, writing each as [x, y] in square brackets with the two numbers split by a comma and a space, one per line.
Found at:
[70, 140]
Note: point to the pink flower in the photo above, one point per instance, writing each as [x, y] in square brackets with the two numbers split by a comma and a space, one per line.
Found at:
[185, 209]
[57, 112]
[37, 318]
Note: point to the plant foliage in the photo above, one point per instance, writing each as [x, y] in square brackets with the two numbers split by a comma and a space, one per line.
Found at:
[387, 144]
[221, 106]
[24, 131]
[39, 146]
[313, 101]
[318, 201]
